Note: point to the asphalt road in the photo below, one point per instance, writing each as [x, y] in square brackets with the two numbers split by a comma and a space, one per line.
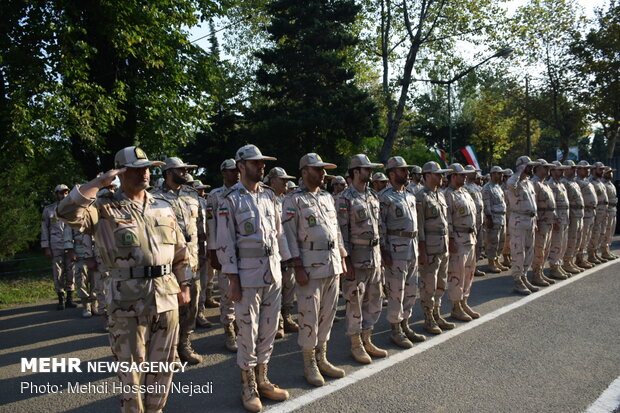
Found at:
[556, 353]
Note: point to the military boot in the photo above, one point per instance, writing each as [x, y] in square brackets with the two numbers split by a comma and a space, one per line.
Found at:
[230, 340]
[442, 322]
[210, 302]
[266, 388]
[311, 370]
[500, 265]
[507, 260]
[549, 280]
[582, 262]
[398, 337]
[187, 353]
[572, 266]
[492, 267]
[357, 350]
[568, 267]
[592, 258]
[201, 320]
[61, 301]
[69, 301]
[599, 257]
[249, 391]
[411, 335]
[280, 331]
[458, 313]
[479, 273]
[556, 274]
[86, 312]
[563, 271]
[430, 324]
[538, 278]
[529, 285]
[520, 288]
[325, 367]
[369, 346]
[470, 311]
[290, 326]
[607, 255]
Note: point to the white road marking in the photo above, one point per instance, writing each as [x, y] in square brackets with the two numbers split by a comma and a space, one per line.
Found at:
[608, 401]
[378, 366]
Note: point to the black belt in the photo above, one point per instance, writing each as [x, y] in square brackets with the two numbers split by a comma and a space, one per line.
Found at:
[148, 271]
[365, 242]
[404, 234]
[467, 230]
[318, 245]
[254, 252]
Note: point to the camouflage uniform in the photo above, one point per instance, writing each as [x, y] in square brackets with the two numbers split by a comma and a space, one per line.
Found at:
[476, 195]
[600, 220]
[84, 250]
[575, 226]
[143, 248]
[545, 202]
[560, 228]
[589, 211]
[495, 210]
[612, 199]
[415, 187]
[204, 270]
[53, 237]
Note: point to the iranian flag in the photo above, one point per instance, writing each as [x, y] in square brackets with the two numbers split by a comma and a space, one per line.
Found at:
[441, 158]
[470, 155]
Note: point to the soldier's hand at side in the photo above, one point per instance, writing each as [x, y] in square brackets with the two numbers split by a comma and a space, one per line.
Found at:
[452, 246]
[422, 257]
[301, 277]
[213, 259]
[91, 263]
[387, 258]
[344, 265]
[47, 252]
[183, 296]
[234, 288]
[489, 221]
[349, 274]
[71, 255]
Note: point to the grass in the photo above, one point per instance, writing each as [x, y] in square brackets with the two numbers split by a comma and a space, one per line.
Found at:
[27, 278]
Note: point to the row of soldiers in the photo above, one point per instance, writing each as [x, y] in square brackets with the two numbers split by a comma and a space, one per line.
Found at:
[267, 246]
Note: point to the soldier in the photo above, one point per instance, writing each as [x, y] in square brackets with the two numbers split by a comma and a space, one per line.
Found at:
[495, 219]
[433, 247]
[290, 187]
[317, 249]
[250, 248]
[575, 226]
[522, 201]
[545, 202]
[186, 205]
[462, 214]
[379, 182]
[589, 212]
[415, 176]
[398, 230]
[612, 198]
[230, 176]
[358, 217]
[600, 221]
[559, 232]
[85, 268]
[277, 178]
[145, 252]
[475, 191]
[338, 185]
[59, 250]
[506, 249]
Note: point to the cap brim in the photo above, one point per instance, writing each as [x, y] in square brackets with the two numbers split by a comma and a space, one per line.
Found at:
[401, 166]
[370, 165]
[328, 176]
[202, 186]
[260, 158]
[142, 164]
[324, 165]
[561, 167]
[442, 171]
[536, 164]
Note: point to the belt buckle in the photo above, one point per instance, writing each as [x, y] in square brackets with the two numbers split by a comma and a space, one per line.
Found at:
[331, 245]
[374, 242]
[268, 251]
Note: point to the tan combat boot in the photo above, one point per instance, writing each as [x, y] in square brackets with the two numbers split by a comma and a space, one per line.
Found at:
[210, 302]
[569, 267]
[249, 391]
[458, 313]
[187, 353]
[607, 254]
[311, 370]
[582, 262]
[520, 288]
[201, 320]
[492, 267]
[573, 266]
[325, 367]
[593, 258]
[411, 335]
[369, 346]
[230, 340]
[500, 265]
[398, 337]
[556, 274]
[430, 324]
[563, 271]
[507, 260]
[479, 273]
[266, 388]
[538, 278]
[470, 312]
[442, 322]
[600, 257]
[529, 285]
[357, 350]
[290, 326]
[280, 332]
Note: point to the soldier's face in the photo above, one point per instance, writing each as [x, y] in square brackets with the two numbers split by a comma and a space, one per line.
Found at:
[179, 175]
[338, 188]
[471, 177]
[135, 179]
[278, 184]
[314, 176]
[201, 192]
[254, 171]
[458, 179]
[364, 175]
[416, 177]
[556, 173]
[231, 176]
[400, 175]
[582, 172]
[60, 195]
[379, 185]
[570, 172]
[496, 177]
[608, 175]
[599, 172]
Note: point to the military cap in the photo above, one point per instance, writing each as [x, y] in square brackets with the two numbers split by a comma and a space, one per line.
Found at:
[597, 165]
[313, 159]
[570, 163]
[228, 164]
[433, 167]
[379, 177]
[457, 168]
[508, 172]
[397, 162]
[278, 172]
[329, 177]
[362, 161]
[472, 168]
[61, 188]
[525, 160]
[291, 185]
[542, 162]
[190, 179]
[251, 153]
[558, 165]
[197, 184]
[497, 169]
[338, 180]
[609, 169]
[133, 157]
[174, 162]
[584, 164]
[416, 169]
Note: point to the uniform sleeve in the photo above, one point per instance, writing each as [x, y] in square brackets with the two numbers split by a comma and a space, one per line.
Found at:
[45, 229]
[226, 239]
[211, 222]
[68, 237]
[487, 200]
[201, 222]
[384, 205]
[343, 206]
[290, 222]
[285, 253]
[79, 212]
[450, 202]
[181, 266]
[512, 183]
[419, 207]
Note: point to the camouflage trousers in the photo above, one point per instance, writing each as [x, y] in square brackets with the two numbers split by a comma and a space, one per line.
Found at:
[433, 280]
[586, 234]
[99, 290]
[542, 245]
[150, 337]
[257, 320]
[506, 248]
[521, 250]
[64, 271]
[559, 241]
[575, 229]
[316, 303]
[84, 278]
[598, 229]
[288, 288]
[496, 238]
[610, 228]
[207, 274]
[188, 313]
[363, 300]
[461, 268]
[401, 280]
[480, 237]
[227, 306]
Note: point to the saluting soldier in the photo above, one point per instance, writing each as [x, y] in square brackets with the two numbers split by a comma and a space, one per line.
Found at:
[462, 214]
[186, 204]
[142, 247]
[432, 212]
[600, 220]
[546, 217]
[358, 217]
[612, 199]
[589, 212]
[575, 226]
[398, 229]
[475, 191]
[250, 248]
[559, 232]
[317, 250]
[495, 219]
